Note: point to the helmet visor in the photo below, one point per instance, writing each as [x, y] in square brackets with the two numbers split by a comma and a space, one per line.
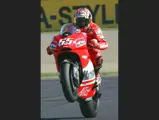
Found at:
[82, 22]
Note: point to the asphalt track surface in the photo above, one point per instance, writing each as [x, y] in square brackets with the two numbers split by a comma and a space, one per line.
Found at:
[55, 107]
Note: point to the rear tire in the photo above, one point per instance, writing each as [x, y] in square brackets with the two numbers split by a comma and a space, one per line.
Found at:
[69, 90]
[89, 109]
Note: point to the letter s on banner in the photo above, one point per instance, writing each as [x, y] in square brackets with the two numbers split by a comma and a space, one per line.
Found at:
[62, 14]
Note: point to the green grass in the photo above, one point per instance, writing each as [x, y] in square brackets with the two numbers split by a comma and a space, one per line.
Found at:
[54, 75]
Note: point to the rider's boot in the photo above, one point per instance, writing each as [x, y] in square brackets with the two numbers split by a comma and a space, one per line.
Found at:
[98, 76]
[98, 79]
[98, 82]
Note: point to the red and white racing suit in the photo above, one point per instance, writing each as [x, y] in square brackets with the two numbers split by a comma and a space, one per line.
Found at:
[94, 32]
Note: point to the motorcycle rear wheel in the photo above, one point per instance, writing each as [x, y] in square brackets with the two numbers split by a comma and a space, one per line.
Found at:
[89, 109]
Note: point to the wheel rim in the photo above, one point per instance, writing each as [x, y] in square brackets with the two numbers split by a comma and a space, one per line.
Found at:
[73, 87]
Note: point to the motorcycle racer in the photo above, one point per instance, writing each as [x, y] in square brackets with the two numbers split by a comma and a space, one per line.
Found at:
[96, 39]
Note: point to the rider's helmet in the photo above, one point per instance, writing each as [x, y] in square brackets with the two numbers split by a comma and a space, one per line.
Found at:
[82, 18]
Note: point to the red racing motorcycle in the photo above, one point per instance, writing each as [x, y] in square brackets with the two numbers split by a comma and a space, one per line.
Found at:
[76, 71]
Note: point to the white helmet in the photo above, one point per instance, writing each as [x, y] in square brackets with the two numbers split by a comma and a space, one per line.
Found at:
[82, 17]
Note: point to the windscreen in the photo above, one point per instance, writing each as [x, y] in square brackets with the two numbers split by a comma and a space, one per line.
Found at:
[68, 28]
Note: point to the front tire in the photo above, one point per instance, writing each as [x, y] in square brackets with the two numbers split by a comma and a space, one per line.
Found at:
[68, 87]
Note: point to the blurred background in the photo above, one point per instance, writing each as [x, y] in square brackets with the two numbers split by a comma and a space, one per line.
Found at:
[55, 13]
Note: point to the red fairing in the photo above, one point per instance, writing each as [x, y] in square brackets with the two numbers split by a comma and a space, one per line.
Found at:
[81, 51]
[86, 91]
[78, 43]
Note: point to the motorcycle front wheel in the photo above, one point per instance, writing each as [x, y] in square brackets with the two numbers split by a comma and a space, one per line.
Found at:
[69, 89]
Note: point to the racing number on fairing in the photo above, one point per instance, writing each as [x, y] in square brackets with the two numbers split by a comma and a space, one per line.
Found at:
[65, 41]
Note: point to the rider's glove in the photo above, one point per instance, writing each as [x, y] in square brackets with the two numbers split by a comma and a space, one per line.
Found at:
[93, 43]
[49, 51]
